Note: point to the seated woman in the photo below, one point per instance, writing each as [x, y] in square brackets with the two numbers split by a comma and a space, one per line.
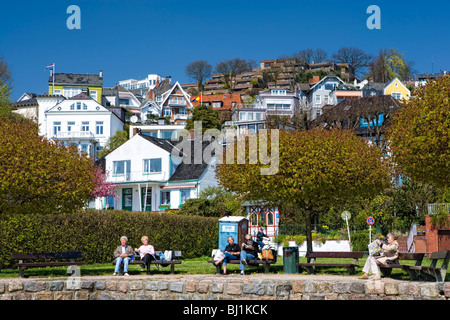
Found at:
[390, 253]
[123, 253]
[232, 252]
[147, 253]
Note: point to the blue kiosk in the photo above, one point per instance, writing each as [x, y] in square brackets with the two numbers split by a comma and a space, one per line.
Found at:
[234, 226]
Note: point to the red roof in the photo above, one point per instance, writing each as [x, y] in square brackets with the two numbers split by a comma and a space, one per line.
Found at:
[227, 100]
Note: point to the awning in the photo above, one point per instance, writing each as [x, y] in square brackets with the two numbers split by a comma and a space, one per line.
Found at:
[186, 186]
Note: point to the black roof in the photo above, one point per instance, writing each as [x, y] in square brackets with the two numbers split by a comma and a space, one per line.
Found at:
[77, 79]
[186, 170]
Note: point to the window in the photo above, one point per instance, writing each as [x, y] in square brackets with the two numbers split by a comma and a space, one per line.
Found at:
[84, 106]
[72, 106]
[279, 92]
[78, 105]
[250, 116]
[217, 104]
[84, 125]
[69, 92]
[241, 116]
[326, 98]
[121, 167]
[152, 165]
[165, 197]
[397, 95]
[99, 127]
[124, 102]
[183, 111]
[85, 148]
[167, 134]
[158, 98]
[56, 127]
[184, 195]
[57, 92]
[317, 99]
[70, 124]
[167, 112]
[93, 94]
[258, 116]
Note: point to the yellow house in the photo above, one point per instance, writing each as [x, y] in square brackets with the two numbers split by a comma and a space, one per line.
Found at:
[397, 90]
[71, 84]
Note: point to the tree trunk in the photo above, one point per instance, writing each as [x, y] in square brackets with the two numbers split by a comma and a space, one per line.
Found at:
[308, 229]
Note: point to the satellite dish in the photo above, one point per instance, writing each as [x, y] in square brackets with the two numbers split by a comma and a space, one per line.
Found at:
[134, 119]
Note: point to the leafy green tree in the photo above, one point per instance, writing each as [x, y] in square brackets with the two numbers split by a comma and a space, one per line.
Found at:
[119, 138]
[39, 176]
[210, 118]
[420, 134]
[316, 168]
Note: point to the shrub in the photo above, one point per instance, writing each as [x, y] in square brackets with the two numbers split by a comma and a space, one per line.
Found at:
[97, 233]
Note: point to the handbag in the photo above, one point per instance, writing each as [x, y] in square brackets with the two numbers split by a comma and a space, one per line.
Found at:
[267, 254]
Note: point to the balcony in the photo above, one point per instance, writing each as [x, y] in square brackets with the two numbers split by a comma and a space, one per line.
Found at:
[177, 103]
[180, 117]
[74, 135]
[137, 176]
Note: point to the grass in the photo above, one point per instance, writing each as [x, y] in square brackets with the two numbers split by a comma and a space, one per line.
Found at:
[198, 266]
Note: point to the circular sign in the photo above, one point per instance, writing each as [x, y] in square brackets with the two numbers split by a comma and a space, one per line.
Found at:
[346, 215]
[370, 221]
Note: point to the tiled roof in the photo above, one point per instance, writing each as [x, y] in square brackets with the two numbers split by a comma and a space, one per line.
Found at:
[77, 79]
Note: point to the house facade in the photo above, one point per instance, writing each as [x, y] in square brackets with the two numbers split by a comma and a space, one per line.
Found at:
[168, 101]
[69, 85]
[397, 90]
[83, 122]
[151, 175]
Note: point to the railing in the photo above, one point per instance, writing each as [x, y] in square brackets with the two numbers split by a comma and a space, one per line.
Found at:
[74, 135]
[135, 176]
[180, 116]
[177, 102]
[434, 207]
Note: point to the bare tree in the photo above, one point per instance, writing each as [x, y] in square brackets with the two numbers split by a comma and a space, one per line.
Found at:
[199, 70]
[5, 73]
[311, 55]
[229, 69]
[357, 58]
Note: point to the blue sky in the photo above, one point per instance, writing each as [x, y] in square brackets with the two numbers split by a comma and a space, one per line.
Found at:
[133, 38]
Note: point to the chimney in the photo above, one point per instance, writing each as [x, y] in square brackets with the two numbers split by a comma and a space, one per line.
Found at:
[100, 73]
[314, 79]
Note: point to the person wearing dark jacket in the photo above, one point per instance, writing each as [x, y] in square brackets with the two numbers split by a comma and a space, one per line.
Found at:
[232, 252]
[249, 251]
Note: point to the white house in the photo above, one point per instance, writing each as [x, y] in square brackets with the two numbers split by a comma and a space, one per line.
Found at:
[83, 122]
[151, 177]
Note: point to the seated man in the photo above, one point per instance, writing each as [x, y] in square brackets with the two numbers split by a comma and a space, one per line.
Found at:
[249, 252]
[231, 252]
[123, 254]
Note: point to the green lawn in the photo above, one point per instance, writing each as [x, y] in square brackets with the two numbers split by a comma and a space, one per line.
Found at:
[196, 266]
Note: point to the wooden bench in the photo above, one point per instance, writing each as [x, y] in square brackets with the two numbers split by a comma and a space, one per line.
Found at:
[163, 263]
[433, 272]
[52, 256]
[311, 265]
[386, 268]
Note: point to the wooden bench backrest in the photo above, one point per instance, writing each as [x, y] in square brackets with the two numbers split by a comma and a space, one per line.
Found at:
[351, 255]
[440, 255]
[411, 255]
[45, 255]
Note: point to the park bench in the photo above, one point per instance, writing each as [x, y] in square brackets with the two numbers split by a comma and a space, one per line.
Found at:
[163, 263]
[256, 262]
[311, 264]
[50, 260]
[386, 268]
[433, 272]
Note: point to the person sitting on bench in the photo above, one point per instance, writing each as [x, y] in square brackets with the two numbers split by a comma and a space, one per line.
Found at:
[123, 254]
[249, 251]
[147, 253]
[390, 254]
[231, 252]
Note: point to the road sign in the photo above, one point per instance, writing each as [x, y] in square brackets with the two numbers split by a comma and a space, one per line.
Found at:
[370, 221]
[346, 215]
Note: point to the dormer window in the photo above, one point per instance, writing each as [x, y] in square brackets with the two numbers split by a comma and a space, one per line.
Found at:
[279, 92]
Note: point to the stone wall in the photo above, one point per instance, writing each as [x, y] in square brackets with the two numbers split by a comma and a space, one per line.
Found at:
[232, 287]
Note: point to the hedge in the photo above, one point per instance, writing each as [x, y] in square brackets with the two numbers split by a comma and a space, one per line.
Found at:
[97, 233]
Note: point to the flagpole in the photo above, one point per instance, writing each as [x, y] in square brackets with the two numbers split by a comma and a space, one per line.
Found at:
[53, 85]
